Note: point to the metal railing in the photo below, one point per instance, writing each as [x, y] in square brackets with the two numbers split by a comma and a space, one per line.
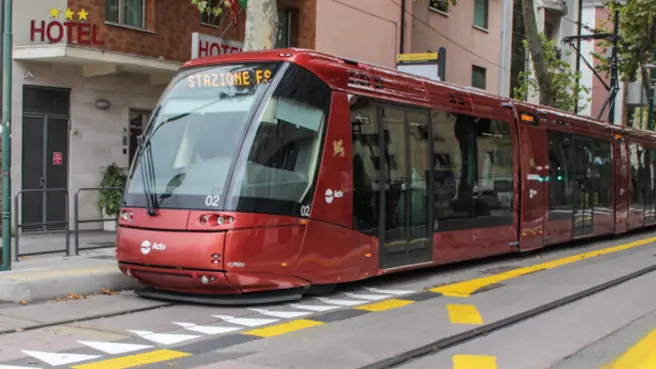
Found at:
[18, 225]
[77, 221]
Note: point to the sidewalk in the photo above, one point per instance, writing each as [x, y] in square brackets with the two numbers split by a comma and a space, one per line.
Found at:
[49, 277]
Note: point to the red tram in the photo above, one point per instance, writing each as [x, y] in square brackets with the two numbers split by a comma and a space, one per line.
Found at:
[279, 172]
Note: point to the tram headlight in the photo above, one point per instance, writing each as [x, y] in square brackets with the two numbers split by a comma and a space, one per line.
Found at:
[127, 215]
[204, 280]
[220, 220]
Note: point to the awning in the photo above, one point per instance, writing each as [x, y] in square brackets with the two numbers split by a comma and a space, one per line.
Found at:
[96, 62]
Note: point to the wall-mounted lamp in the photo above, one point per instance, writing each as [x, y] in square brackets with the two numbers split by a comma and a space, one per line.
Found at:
[103, 104]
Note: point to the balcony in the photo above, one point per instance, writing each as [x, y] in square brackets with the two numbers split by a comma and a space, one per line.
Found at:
[557, 7]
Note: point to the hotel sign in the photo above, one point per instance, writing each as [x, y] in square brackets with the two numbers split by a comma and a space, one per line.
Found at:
[65, 25]
[205, 45]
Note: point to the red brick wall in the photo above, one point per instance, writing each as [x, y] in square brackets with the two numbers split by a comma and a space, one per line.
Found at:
[170, 24]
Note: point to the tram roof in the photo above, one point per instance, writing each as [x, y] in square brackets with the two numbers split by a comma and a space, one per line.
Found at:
[364, 78]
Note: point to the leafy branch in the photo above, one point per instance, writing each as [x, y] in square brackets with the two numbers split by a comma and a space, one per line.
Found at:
[564, 82]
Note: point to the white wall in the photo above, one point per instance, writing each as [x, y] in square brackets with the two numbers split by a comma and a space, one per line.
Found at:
[96, 136]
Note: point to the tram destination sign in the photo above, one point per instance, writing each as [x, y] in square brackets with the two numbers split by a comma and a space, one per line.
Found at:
[248, 77]
[65, 25]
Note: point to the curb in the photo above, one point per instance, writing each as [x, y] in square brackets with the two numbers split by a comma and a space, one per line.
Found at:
[58, 284]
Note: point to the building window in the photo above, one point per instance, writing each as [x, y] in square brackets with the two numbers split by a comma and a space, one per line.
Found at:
[479, 75]
[283, 38]
[439, 5]
[480, 13]
[127, 12]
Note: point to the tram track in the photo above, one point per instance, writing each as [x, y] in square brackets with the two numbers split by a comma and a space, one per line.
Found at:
[84, 319]
[442, 344]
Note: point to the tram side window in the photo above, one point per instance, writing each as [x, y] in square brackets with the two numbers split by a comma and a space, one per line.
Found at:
[603, 174]
[366, 165]
[495, 171]
[635, 156]
[280, 175]
[648, 180]
[472, 171]
[560, 175]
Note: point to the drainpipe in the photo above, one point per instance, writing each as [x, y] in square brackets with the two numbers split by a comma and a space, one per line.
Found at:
[402, 43]
[505, 52]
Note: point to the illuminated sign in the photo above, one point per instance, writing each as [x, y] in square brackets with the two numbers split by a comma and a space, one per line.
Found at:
[73, 29]
[237, 78]
[527, 118]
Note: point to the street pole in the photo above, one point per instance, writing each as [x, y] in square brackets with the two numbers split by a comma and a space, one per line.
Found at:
[613, 69]
[651, 119]
[6, 138]
[579, 31]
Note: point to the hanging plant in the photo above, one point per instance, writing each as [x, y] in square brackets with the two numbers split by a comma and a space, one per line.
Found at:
[111, 199]
[231, 6]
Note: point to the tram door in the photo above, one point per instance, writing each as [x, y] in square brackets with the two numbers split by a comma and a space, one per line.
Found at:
[583, 191]
[648, 188]
[406, 235]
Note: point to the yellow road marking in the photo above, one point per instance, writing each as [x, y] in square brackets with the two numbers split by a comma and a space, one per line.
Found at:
[466, 288]
[384, 305]
[464, 314]
[283, 328]
[474, 362]
[134, 360]
[640, 356]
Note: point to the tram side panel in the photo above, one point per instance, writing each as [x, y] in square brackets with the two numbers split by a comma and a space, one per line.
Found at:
[332, 251]
[636, 207]
[534, 170]
[621, 185]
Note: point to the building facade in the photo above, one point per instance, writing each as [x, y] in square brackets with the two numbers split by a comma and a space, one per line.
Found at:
[472, 36]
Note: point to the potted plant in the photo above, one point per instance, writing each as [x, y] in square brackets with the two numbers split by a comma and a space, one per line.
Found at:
[111, 198]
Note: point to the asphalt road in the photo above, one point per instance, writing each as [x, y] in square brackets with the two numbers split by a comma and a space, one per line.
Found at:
[451, 311]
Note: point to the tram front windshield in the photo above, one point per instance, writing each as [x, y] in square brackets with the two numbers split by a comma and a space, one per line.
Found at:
[201, 151]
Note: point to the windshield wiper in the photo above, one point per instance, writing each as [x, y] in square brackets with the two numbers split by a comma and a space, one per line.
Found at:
[147, 174]
[146, 167]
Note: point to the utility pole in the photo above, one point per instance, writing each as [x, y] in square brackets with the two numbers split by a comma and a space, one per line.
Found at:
[651, 120]
[6, 137]
[613, 69]
[579, 32]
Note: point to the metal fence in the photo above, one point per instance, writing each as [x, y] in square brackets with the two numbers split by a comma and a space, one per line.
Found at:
[77, 221]
[18, 225]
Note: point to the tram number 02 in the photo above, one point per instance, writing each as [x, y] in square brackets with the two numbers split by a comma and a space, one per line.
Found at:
[212, 200]
[305, 210]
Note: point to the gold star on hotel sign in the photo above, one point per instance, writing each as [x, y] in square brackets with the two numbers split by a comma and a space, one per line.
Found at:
[69, 14]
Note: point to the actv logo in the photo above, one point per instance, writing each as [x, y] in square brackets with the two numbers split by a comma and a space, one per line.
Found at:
[146, 247]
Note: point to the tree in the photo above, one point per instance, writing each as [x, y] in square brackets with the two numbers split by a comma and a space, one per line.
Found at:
[563, 82]
[546, 91]
[261, 20]
[637, 42]
[546, 64]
